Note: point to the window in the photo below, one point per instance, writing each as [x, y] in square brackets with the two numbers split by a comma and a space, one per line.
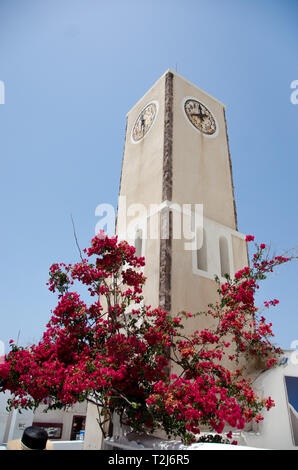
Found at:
[292, 393]
[54, 430]
[78, 428]
[138, 243]
[202, 253]
[224, 256]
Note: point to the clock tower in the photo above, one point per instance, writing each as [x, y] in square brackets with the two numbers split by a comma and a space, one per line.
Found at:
[176, 202]
[176, 160]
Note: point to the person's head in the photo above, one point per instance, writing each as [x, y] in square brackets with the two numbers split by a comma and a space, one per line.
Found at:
[34, 438]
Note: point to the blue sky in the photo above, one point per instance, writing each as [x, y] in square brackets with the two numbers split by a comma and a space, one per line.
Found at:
[73, 68]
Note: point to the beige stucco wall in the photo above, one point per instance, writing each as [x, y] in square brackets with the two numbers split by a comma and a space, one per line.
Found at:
[141, 183]
[240, 253]
[201, 169]
[190, 292]
[201, 175]
[141, 177]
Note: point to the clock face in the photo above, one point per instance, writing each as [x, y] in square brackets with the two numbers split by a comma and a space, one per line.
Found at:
[200, 116]
[144, 121]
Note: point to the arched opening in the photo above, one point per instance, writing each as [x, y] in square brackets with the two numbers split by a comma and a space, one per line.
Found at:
[224, 256]
[139, 242]
[202, 253]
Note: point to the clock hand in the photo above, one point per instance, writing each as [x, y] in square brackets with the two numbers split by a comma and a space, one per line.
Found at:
[142, 123]
[199, 114]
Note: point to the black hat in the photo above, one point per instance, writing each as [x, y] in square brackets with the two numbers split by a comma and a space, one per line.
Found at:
[34, 438]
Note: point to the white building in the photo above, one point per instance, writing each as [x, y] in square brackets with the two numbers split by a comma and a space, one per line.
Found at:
[60, 425]
[279, 429]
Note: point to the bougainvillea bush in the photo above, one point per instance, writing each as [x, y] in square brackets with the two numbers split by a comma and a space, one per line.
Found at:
[117, 353]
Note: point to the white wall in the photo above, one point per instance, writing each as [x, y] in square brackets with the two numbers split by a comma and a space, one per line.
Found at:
[13, 423]
[3, 414]
[275, 431]
[61, 416]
